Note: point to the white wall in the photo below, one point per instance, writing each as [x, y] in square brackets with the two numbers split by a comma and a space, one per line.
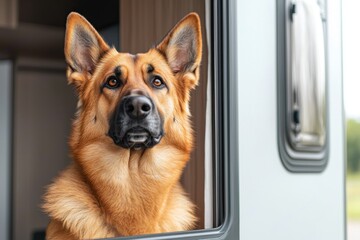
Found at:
[274, 203]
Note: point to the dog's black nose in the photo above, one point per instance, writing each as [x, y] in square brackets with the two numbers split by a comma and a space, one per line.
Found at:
[138, 107]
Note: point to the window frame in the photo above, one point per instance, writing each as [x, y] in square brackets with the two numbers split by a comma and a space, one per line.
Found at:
[225, 142]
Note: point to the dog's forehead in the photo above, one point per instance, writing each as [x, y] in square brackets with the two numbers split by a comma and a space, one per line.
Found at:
[140, 62]
[134, 68]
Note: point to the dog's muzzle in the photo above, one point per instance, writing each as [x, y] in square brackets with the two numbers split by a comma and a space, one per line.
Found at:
[136, 123]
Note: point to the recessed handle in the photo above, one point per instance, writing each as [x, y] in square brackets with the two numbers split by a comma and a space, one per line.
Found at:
[306, 78]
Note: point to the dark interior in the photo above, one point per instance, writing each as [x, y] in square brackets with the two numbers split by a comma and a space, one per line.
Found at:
[53, 13]
[40, 26]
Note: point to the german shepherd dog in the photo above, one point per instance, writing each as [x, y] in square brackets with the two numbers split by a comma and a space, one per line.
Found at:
[131, 137]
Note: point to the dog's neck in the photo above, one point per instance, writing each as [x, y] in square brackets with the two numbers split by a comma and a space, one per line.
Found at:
[135, 180]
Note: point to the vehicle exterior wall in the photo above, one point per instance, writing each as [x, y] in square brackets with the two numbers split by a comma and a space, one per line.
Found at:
[275, 203]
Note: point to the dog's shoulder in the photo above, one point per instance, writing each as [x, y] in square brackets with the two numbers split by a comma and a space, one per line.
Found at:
[70, 201]
[68, 188]
[180, 212]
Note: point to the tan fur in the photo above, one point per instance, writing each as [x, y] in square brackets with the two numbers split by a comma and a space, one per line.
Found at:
[112, 191]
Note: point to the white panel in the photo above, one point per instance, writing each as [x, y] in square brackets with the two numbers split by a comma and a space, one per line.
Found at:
[274, 203]
[5, 140]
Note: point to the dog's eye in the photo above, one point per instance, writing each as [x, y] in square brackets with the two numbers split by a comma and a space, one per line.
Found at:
[112, 82]
[157, 82]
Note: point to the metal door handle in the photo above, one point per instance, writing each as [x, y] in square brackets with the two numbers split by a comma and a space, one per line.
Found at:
[306, 78]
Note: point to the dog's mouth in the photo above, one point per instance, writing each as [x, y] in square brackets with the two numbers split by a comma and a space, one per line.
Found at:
[139, 138]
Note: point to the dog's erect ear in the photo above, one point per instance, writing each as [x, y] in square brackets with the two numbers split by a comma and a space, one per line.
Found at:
[182, 46]
[83, 44]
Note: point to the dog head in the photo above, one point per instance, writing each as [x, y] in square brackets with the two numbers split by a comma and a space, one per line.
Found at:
[136, 100]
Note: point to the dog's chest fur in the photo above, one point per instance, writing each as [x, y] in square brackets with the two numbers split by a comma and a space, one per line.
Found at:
[118, 208]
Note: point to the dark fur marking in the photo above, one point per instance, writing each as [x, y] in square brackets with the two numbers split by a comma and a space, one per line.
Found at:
[117, 71]
[150, 68]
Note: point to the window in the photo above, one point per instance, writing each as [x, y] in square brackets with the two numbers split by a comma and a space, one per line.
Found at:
[134, 26]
